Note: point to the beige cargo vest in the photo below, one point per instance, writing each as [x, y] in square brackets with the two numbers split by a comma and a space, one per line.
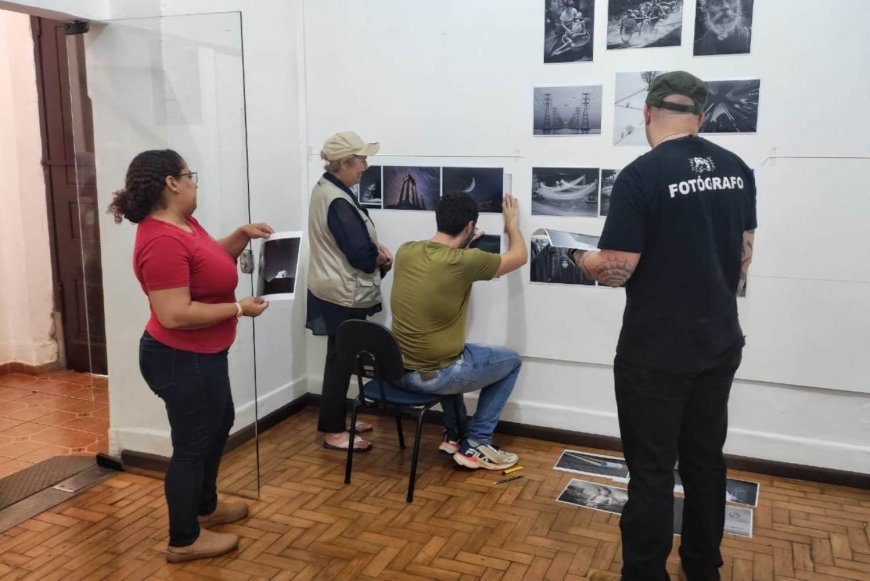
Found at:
[330, 276]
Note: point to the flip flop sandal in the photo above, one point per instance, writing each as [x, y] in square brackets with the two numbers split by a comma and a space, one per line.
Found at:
[366, 427]
[343, 446]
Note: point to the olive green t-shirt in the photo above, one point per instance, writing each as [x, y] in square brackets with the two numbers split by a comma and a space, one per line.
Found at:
[429, 299]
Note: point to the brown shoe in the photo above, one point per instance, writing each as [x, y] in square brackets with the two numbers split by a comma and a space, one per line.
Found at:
[224, 512]
[207, 545]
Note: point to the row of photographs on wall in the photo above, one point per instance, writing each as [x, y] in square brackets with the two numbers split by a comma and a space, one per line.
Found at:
[732, 107]
[556, 191]
[722, 27]
[420, 187]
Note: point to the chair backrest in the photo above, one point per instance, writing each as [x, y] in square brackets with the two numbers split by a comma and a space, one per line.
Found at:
[369, 349]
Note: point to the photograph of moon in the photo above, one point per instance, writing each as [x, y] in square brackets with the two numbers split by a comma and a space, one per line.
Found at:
[483, 184]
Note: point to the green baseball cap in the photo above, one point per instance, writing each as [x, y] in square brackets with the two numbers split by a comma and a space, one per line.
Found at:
[677, 83]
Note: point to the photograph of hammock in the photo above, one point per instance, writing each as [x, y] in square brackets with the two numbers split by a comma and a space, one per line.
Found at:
[565, 191]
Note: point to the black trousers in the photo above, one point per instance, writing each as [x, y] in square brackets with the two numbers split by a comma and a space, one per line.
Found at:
[333, 398]
[664, 417]
[195, 387]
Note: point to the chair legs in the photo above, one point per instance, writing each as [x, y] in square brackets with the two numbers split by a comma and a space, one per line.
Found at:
[417, 437]
[350, 443]
[399, 430]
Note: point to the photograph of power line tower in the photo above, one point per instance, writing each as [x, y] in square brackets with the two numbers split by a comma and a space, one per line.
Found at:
[630, 93]
[732, 107]
[411, 187]
[568, 30]
[644, 23]
[485, 185]
[567, 110]
[565, 191]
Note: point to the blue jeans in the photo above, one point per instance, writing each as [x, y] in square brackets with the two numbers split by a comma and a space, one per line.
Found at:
[196, 390]
[491, 370]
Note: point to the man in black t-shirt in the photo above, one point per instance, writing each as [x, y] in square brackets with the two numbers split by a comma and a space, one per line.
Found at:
[679, 236]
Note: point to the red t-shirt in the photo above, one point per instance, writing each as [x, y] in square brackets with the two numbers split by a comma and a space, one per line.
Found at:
[164, 257]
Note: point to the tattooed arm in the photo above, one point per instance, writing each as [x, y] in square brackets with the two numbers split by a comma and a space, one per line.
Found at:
[609, 267]
[748, 243]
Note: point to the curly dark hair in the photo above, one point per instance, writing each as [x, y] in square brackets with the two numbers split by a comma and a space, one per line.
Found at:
[454, 212]
[146, 179]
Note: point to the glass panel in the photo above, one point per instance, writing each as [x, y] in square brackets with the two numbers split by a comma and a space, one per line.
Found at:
[177, 83]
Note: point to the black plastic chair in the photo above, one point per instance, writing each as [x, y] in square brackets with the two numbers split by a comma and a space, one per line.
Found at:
[369, 350]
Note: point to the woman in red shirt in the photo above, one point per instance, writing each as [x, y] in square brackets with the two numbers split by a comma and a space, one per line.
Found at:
[190, 279]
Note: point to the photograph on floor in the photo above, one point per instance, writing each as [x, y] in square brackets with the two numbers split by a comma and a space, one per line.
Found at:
[568, 30]
[369, 191]
[411, 187]
[565, 191]
[644, 23]
[595, 496]
[738, 520]
[550, 259]
[630, 93]
[483, 184]
[723, 27]
[279, 265]
[608, 178]
[732, 106]
[592, 464]
[567, 110]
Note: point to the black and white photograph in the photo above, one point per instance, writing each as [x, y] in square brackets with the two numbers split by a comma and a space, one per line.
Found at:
[568, 30]
[630, 93]
[732, 106]
[279, 262]
[644, 23]
[608, 178]
[592, 464]
[595, 496]
[565, 191]
[738, 520]
[551, 264]
[488, 243]
[411, 187]
[369, 191]
[741, 492]
[483, 184]
[723, 27]
[568, 110]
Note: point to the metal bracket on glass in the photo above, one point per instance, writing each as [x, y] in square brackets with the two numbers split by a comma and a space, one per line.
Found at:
[77, 27]
[246, 261]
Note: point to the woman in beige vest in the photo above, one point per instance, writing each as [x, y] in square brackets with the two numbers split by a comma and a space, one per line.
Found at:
[344, 272]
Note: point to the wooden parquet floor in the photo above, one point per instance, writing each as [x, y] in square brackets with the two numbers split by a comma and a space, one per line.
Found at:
[462, 525]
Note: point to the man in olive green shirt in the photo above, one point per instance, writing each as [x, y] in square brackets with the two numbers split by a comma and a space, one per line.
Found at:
[430, 294]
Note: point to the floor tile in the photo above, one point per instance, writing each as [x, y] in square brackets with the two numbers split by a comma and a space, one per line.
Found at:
[91, 425]
[65, 437]
[55, 418]
[12, 393]
[6, 423]
[19, 380]
[23, 430]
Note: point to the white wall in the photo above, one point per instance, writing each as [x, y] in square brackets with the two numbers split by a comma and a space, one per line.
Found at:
[448, 83]
[26, 290]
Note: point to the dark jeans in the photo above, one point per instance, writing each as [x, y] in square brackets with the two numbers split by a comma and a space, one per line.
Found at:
[663, 417]
[333, 398]
[196, 390]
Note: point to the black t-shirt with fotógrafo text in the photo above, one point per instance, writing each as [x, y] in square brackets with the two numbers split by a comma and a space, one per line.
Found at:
[684, 207]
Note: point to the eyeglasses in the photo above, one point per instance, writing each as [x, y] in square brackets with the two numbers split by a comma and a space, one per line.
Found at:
[194, 177]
